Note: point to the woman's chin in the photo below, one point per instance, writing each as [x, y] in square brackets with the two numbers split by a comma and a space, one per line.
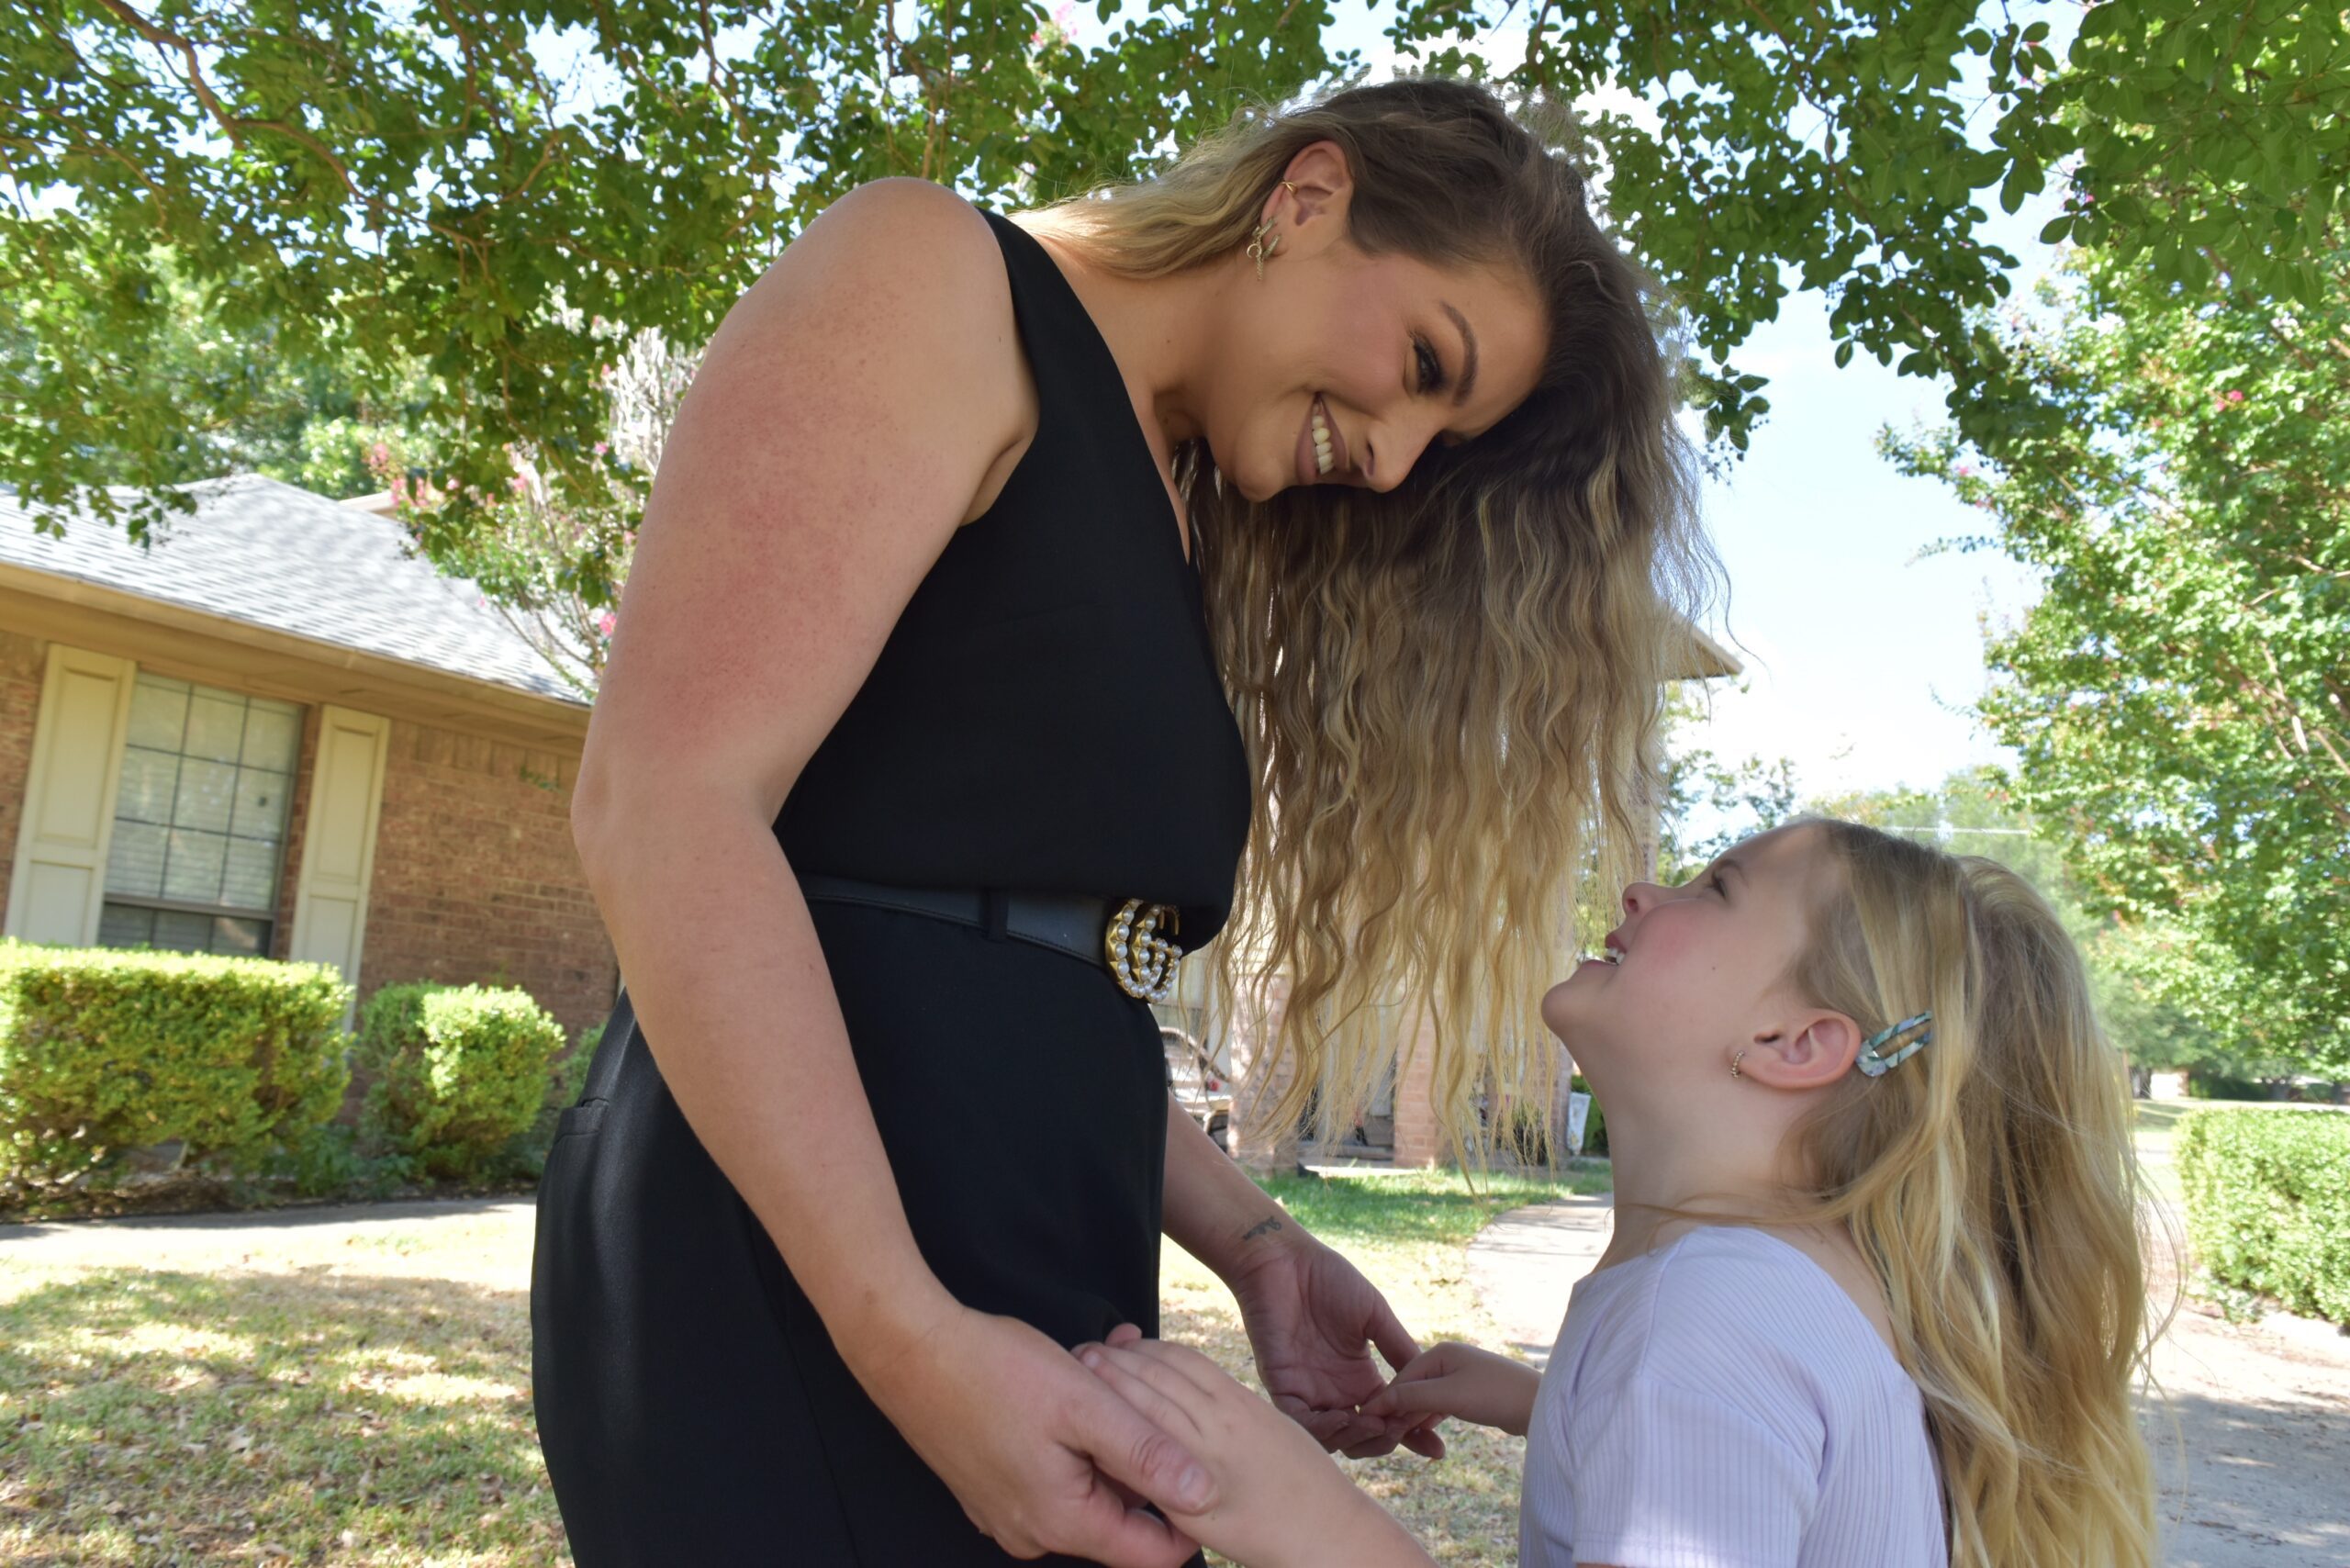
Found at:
[1257, 489]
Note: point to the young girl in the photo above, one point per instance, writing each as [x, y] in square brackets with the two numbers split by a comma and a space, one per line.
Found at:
[1874, 1296]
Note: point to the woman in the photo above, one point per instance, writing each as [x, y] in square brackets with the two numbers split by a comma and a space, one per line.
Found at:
[914, 715]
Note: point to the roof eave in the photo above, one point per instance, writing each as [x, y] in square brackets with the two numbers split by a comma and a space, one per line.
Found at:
[205, 645]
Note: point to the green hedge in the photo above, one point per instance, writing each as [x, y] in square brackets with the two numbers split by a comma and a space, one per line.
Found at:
[526, 1156]
[103, 1051]
[2268, 1201]
[455, 1072]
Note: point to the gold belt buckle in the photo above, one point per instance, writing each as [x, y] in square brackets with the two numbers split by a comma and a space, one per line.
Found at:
[1143, 962]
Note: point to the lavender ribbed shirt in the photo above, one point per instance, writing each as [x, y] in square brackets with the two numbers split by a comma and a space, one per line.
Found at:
[1721, 1403]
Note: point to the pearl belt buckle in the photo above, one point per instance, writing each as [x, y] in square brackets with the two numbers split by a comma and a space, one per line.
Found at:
[1143, 961]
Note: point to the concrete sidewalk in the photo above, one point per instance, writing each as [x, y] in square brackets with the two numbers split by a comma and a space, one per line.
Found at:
[1523, 1265]
[181, 1240]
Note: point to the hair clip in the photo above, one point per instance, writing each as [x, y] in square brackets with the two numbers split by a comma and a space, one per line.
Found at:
[1875, 1063]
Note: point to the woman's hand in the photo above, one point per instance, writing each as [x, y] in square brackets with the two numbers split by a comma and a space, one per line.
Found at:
[1036, 1448]
[1277, 1499]
[1312, 1320]
[1461, 1380]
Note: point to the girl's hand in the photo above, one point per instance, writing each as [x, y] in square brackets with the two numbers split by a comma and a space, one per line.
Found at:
[1043, 1458]
[1461, 1380]
[1278, 1500]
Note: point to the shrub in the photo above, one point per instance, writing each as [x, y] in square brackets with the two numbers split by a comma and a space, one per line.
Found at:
[2268, 1201]
[1527, 1136]
[330, 1162]
[104, 1051]
[453, 1072]
[526, 1154]
[2210, 1083]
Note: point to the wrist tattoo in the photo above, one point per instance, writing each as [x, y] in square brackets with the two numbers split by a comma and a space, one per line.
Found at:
[1261, 1228]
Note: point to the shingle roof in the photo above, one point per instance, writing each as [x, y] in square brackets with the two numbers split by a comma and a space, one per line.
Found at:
[274, 555]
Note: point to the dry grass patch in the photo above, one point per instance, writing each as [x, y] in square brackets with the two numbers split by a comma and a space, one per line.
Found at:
[349, 1394]
[352, 1386]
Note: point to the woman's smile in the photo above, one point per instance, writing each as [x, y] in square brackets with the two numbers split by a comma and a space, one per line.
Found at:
[1321, 444]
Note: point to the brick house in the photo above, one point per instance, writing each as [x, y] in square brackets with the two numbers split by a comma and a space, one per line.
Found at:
[276, 731]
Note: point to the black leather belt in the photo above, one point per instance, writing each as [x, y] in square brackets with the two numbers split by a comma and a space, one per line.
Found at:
[1119, 937]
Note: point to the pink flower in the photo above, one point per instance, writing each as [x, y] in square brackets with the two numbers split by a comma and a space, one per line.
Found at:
[2235, 396]
[518, 484]
[605, 623]
[601, 448]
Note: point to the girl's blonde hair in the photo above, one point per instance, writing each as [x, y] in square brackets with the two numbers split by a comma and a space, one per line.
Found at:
[1991, 1180]
[1449, 692]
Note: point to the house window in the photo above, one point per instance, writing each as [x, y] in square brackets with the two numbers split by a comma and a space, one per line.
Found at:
[199, 827]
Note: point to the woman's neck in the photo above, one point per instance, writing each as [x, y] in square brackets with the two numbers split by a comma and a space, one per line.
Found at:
[1161, 331]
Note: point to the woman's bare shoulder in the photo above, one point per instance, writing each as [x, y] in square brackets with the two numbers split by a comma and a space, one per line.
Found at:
[917, 255]
[902, 222]
[846, 417]
[896, 291]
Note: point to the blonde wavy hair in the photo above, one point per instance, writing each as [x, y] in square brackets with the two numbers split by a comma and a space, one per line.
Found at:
[1449, 692]
[1991, 1180]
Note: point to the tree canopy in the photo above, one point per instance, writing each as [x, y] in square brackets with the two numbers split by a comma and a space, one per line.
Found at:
[495, 196]
[2179, 697]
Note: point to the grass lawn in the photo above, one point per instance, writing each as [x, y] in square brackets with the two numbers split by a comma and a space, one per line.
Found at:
[360, 1394]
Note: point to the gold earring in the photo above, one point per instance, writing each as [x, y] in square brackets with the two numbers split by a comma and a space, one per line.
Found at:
[1733, 1064]
[1262, 241]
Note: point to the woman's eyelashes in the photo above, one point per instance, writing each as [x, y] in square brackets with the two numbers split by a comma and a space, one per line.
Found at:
[1431, 366]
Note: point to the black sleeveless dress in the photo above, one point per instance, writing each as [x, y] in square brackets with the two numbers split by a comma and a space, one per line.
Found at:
[1046, 717]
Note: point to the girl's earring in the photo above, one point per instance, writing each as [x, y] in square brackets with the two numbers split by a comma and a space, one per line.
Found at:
[1733, 1064]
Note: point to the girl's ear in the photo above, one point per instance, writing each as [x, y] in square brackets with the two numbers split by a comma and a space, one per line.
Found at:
[1813, 1050]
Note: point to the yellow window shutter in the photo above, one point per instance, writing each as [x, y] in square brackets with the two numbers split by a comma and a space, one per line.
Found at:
[59, 877]
[338, 840]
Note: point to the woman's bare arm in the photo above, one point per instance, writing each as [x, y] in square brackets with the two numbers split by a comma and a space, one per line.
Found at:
[860, 402]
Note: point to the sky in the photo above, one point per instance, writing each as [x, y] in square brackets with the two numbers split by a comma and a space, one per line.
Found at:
[1863, 644]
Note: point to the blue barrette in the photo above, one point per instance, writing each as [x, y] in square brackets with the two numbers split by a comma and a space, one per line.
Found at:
[1874, 1063]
